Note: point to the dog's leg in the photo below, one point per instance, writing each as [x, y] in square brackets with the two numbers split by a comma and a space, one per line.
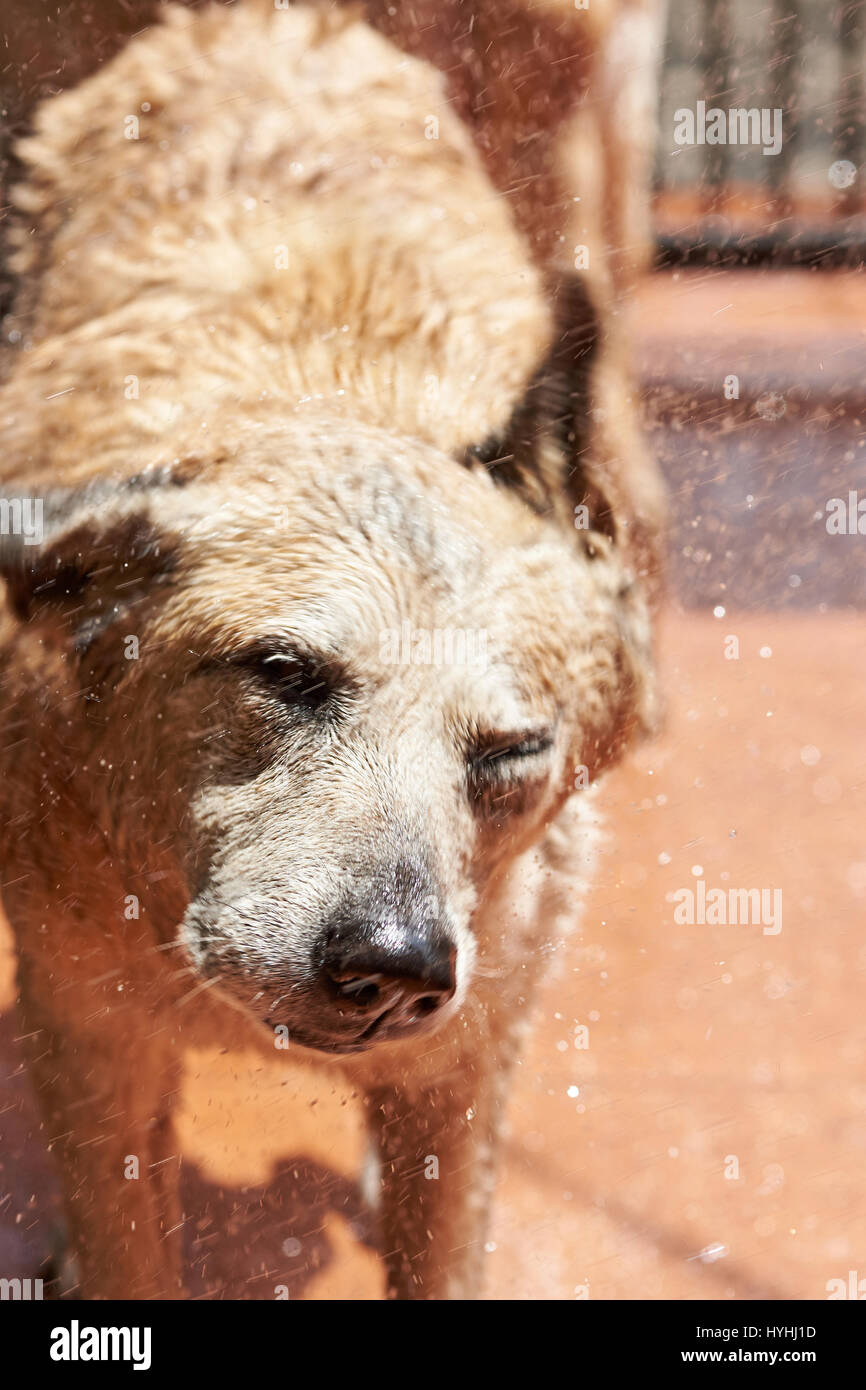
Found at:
[438, 1148]
[105, 1087]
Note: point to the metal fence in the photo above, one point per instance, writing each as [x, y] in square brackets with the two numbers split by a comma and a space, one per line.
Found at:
[736, 75]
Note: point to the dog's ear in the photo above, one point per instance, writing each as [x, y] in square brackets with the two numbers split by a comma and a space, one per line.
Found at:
[573, 452]
[75, 560]
[541, 453]
[569, 449]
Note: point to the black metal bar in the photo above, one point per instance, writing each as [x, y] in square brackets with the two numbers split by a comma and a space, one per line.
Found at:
[716, 49]
[849, 133]
[831, 247]
[787, 42]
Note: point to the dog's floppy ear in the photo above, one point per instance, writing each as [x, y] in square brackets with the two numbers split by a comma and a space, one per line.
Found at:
[74, 560]
[568, 448]
[542, 451]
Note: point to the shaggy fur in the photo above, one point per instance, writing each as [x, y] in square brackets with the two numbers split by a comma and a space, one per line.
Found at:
[291, 379]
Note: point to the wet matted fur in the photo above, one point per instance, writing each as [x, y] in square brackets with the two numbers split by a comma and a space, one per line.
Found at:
[301, 395]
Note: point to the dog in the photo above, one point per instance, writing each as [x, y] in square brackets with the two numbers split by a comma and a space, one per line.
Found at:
[329, 549]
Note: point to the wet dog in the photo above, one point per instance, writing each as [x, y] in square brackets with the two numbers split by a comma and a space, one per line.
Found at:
[330, 608]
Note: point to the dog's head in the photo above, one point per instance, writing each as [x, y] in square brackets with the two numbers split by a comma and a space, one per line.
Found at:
[345, 681]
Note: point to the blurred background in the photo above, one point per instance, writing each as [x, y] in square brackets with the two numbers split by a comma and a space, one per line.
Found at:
[803, 204]
[690, 1121]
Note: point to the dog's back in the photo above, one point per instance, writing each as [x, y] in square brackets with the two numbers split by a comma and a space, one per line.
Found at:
[256, 182]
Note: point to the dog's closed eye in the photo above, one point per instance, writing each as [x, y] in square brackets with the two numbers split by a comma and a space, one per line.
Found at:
[300, 679]
[511, 747]
[504, 754]
[507, 771]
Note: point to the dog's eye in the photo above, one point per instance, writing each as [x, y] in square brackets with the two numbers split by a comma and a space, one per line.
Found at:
[509, 751]
[507, 771]
[297, 678]
[296, 681]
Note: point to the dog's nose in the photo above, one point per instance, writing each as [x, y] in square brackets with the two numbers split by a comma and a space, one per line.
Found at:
[390, 975]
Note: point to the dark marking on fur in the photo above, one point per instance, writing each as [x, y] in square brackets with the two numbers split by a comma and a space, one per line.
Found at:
[553, 419]
[91, 566]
